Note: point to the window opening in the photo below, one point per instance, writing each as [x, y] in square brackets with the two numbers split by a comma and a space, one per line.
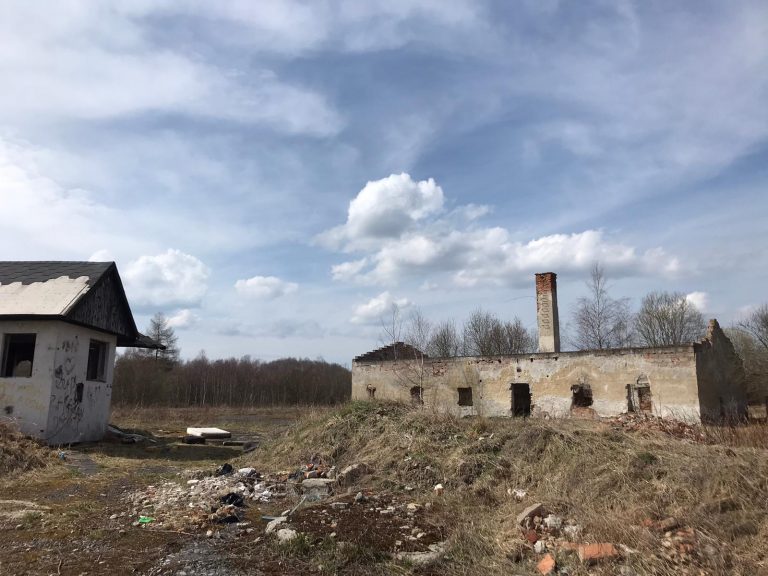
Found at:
[97, 361]
[371, 392]
[79, 392]
[18, 355]
[521, 400]
[581, 396]
[465, 396]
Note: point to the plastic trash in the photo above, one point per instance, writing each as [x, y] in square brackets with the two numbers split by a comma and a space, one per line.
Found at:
[146, 519]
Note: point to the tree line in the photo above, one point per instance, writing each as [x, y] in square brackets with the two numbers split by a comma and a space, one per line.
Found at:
[160, 377]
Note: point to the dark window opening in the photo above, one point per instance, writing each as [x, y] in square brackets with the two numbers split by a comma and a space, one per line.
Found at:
[465, 396]
[79, 392]
[18, 355]
[417, 395]
[521, 400]
[581, 396]
[371, 392]
[97, 361]
[644, 398]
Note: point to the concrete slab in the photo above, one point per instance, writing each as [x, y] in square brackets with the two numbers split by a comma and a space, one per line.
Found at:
[209, 432]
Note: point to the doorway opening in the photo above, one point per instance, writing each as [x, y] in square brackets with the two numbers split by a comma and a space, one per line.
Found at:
[520, 400]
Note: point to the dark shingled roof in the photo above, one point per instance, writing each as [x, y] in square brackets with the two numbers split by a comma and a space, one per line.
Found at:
[102, 276]
[28, 272]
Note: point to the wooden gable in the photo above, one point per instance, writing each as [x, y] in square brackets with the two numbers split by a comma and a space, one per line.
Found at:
[105, 307]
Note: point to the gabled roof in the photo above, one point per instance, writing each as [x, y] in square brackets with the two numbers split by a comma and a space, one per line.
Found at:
[85, 293]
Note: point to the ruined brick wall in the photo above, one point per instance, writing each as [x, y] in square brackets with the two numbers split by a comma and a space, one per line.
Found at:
[668, 374]
[546, 312]
[720, 375]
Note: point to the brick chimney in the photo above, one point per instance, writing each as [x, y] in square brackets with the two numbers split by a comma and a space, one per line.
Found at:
[546, 312]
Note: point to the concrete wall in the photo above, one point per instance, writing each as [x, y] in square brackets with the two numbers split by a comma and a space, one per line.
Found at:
[70, 420]
[670, 372]
[45, 405]
[25, 401]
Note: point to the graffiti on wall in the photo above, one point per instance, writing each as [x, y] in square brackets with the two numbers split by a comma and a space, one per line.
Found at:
[67, 393]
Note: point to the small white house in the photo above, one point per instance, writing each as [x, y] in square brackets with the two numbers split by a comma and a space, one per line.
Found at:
[60, 323]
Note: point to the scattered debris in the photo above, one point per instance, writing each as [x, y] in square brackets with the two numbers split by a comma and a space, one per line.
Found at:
[636, 422]
[118, 434]
[209, 433]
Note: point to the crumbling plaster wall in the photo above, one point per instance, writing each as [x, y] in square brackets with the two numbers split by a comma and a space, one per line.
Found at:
[25, 401]
[671, 373]
[71, 419]
[46, 405]
[721, 378]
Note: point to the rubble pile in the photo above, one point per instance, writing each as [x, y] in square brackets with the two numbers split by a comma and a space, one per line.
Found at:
[634, 422]
[199, 502]
[381, 521]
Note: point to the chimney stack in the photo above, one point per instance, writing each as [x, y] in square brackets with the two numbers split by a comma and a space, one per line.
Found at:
[546, 312]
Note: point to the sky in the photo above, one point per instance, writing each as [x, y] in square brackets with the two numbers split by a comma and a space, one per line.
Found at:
[274, 175]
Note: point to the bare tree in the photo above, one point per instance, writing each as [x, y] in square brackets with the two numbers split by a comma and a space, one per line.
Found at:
[517, 338]
[757, 325]
[668, 318]
[599, 320]
[486, 335]
[418, 330]
[479, 335]
[754, 356]
[391, 327]
[445, 341]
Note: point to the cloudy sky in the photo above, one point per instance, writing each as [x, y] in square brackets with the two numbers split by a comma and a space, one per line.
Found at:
[273, 175]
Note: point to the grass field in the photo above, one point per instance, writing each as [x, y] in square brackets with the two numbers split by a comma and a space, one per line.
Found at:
[612, 483]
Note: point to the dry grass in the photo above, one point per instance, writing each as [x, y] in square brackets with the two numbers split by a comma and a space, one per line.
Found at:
[607, 480]
[177, 419]
[751, 435]
[19, 454]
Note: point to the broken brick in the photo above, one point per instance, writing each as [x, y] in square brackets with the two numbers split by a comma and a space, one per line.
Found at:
[546, 565]
[590, 553]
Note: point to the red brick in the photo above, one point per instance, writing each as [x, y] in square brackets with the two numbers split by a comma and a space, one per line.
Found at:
[546, 565]
[596, 552]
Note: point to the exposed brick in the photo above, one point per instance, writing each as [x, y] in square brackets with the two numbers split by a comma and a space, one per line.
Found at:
[546, 565]
[590, 553]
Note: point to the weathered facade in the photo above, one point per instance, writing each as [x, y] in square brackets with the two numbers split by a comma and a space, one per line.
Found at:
[60, 323]
[702, 380]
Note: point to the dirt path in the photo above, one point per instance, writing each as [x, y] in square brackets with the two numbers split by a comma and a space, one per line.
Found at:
[70, 518]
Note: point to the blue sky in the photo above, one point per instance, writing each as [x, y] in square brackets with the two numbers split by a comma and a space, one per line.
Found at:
[272, 175]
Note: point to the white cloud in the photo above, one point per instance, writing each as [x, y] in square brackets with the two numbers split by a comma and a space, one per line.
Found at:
[265, 287]
[172, 278]
[383, 209]
[403, 233]
[698, 299]
[118, 71]
[376, 308]
[183, 319]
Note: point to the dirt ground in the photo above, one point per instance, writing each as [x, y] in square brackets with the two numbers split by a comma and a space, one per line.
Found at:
[57, 520]
[668, 498]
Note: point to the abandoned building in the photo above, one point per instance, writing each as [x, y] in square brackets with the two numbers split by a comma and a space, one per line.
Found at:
[697, 381]
[60, 323]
